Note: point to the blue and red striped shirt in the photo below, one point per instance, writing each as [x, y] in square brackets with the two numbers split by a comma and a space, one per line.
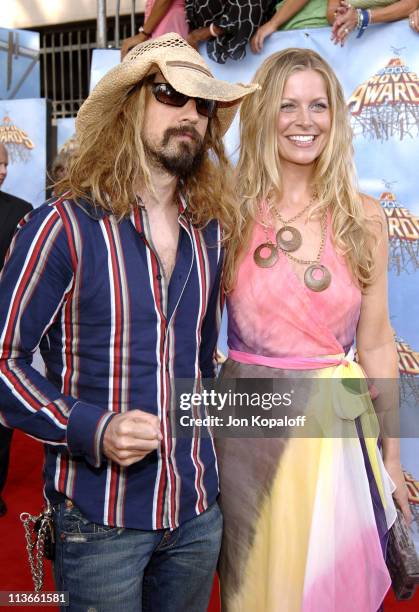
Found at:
[88, 291]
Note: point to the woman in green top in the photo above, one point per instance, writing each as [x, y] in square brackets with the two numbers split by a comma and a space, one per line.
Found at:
[292, 15]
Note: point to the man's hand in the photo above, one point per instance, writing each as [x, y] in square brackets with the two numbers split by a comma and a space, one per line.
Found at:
[131, 436]
[130, 43]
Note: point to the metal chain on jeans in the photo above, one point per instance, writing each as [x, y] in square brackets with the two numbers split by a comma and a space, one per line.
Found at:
[35, 543]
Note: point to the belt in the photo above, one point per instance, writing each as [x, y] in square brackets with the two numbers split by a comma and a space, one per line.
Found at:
[293, 363]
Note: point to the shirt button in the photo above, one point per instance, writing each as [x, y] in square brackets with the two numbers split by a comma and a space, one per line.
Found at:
[158, 277]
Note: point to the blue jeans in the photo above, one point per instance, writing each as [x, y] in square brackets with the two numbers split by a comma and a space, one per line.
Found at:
[111, 569]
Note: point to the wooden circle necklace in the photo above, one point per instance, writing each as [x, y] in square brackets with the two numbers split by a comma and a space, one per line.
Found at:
[312, 280]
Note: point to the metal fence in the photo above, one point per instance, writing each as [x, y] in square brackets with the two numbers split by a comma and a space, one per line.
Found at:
[66, 53]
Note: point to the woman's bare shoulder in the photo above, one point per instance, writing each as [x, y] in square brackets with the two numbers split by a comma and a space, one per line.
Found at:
[372, 208]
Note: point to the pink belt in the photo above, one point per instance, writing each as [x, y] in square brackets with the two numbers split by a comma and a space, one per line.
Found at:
[292, 363]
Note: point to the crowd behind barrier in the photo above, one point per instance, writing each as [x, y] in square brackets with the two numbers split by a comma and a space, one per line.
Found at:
[227, 27]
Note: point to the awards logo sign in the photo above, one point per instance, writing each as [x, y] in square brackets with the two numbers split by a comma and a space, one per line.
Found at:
[387, 104]
[16, 140]
[403, 232]
[409, 372]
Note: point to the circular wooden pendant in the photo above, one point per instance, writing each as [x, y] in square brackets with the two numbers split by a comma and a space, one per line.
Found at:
[270, 260]
[317, 284]
[293, 243]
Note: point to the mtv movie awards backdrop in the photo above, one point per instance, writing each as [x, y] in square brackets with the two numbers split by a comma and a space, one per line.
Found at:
[23, 115]
[23, 130]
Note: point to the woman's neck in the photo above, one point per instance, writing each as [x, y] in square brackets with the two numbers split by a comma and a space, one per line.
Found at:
[297, 183]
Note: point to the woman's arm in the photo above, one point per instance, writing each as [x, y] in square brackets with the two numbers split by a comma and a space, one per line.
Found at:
[159, 10]
[393, 12]
[378, 355]
[414, 19]
[346, 19]
[288, 9]
[203, 34]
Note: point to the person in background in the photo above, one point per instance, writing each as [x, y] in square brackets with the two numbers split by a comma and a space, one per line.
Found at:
[359, 14]
[61, 163]
[292, 15]
[160, 17]
[227, 26]
[12, 209]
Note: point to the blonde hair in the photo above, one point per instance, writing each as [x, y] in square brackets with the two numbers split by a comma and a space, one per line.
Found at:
[259, 166]
[111, 156]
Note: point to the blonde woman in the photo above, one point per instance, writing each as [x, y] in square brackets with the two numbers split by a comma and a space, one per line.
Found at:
[306, 517]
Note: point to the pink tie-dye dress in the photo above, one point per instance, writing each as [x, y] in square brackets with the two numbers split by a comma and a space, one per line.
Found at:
[306, 516]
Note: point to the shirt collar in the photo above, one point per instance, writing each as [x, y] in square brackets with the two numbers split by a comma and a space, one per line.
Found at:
[98, 213]
[92, 210]
[182, 203]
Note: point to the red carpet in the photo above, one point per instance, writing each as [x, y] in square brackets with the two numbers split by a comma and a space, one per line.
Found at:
[23, 493]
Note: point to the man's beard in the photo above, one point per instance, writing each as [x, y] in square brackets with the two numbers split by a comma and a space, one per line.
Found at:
[183, 162]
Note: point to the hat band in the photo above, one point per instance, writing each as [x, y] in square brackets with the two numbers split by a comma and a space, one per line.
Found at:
[178, 64]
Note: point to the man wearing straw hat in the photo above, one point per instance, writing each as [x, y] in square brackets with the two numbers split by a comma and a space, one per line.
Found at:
[118, 282]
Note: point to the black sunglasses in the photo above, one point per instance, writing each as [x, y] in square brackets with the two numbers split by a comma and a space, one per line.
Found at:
[166, 94]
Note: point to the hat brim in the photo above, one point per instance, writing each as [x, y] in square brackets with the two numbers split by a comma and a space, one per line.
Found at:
[189, 78]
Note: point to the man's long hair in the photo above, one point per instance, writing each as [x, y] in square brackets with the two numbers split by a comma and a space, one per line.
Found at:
[111, 157]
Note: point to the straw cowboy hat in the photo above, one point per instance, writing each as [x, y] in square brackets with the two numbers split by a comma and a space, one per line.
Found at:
[180, 65]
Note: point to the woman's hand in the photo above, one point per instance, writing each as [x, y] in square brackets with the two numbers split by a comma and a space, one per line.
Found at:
[256, 43]
[197, 36]
[131, 42]
[400, 495]
[414, 20]
[346, 21]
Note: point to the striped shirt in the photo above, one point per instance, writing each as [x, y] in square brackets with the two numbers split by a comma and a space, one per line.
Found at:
[90, 294]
